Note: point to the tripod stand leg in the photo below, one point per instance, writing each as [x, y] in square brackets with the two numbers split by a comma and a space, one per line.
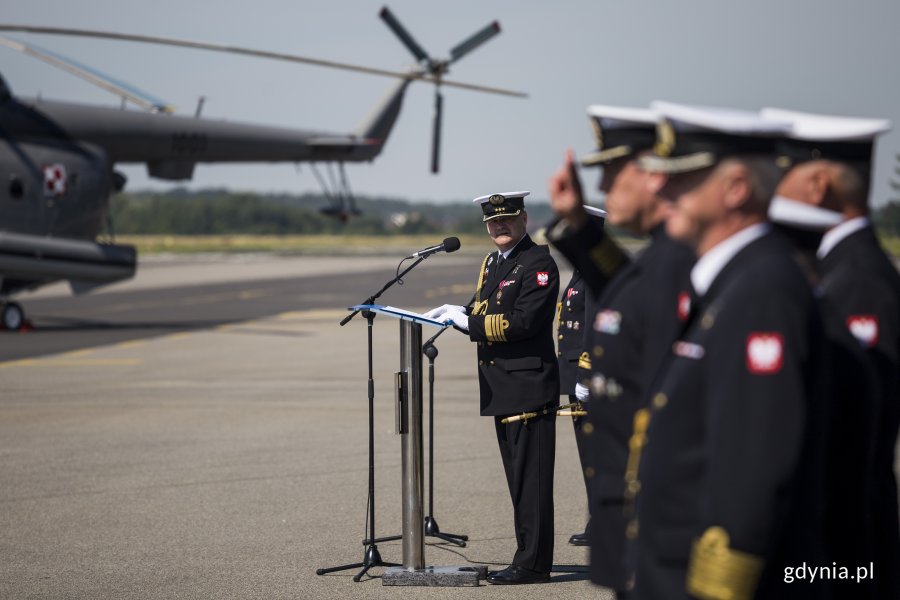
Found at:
[431, 526]
[372, 558]
[432, 529]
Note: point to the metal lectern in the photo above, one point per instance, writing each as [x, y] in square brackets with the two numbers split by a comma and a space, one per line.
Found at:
[408, 416]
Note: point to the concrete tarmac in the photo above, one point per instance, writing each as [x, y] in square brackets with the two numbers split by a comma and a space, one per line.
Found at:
[229, 459]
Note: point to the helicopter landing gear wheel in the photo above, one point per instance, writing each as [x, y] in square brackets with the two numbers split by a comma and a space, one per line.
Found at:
[12, 317]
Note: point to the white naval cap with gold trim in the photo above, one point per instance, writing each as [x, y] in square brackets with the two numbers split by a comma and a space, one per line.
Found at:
[689, 138]
[619, 131]
[814, 136]
[595, 212]
[506, 204]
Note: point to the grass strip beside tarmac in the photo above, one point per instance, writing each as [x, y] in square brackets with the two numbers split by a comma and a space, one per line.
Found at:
[296, 244]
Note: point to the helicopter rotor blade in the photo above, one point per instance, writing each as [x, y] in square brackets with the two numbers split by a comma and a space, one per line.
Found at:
[416, 75]
[92, 76]
[436, 130]
[475, 40]
[388, 17]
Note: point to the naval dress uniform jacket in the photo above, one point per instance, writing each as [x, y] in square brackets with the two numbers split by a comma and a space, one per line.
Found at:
[512, 321]
[640, 313]
[575, 310]
[850, 433]
[570, 328]
[729, 478]
[863, 285]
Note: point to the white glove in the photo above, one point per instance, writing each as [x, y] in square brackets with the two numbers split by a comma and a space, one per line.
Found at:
[582, 392]
[436, 313]
[457, 317]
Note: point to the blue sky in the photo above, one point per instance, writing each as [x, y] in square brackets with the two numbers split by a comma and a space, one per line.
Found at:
[821, 56]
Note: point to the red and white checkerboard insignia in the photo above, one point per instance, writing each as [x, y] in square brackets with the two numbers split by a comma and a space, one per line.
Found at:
[54, 179]
[864, 328]
[684, 305]
[765, 353]
[543, 278]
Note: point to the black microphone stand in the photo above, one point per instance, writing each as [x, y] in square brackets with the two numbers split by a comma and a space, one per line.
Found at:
[371, 557]
[431, 526]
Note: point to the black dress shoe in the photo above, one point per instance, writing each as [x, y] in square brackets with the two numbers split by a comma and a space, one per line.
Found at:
[579, 539]
[514, 574]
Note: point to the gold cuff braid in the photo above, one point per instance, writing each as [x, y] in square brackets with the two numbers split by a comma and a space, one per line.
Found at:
[717, 572]
[584, 361]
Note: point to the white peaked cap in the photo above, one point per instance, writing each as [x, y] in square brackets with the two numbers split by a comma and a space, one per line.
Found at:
[483, 199]
[726, 120]
[816, 127]
[803, 216]
[594, 211]
[618, 116]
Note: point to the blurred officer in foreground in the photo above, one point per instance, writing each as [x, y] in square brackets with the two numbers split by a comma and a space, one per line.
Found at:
[831, 161]
[729, 471]
[512, 322]
[575, 313]
[639, 313]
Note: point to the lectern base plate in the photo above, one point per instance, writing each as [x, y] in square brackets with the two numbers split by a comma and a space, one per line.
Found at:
[435, 576]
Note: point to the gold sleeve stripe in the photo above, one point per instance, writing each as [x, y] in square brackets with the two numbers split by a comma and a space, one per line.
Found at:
[718, 572]
[584, 361]
[495, 327]
[607, 256]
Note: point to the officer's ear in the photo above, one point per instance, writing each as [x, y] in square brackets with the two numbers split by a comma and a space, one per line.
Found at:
[818, 184]
[736, 184]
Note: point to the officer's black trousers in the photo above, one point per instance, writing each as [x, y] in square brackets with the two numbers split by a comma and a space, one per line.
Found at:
[528, 450]
[581, 441]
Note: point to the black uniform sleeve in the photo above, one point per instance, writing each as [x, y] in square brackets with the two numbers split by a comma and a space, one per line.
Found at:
[590, 250]
[591, 307]
[534, 307]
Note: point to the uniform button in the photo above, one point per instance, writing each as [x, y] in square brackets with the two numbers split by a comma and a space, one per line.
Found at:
[559, 353]
[598, 351]
[660, 400]
[587, 429]
[560, 336]
[491, 363]
[480, 362]
[589, 472]
[631, 531]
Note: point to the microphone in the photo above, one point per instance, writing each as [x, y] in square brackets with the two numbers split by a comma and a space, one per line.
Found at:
[448, 245]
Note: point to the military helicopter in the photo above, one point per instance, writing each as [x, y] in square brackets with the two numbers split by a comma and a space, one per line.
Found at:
[57, 162]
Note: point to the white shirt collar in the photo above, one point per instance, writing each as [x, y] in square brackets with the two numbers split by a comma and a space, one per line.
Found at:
[711, 264]
[834, 236]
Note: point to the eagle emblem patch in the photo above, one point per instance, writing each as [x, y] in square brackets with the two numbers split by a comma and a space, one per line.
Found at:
[765, 353]
[864, 328]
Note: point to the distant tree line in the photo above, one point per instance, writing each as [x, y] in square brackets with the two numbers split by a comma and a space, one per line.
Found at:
[220, 212]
